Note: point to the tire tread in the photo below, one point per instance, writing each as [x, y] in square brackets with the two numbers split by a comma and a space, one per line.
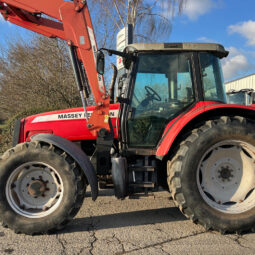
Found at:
[78, 179]
[174, 169]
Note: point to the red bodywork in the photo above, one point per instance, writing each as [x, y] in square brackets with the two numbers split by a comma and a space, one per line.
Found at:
[175, 126]
[71, 125]
[72, 23]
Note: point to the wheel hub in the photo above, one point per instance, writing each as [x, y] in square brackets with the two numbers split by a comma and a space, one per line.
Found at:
[37, 188]
[225, 173]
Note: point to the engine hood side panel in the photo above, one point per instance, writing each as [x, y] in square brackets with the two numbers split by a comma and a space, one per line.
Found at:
[69, 123]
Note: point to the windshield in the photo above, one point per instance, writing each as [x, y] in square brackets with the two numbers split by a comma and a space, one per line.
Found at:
[212, 78]
[163, 89]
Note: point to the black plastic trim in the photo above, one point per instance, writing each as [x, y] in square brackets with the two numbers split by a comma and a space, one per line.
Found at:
[16, 134]
[198, 77]
[126, 106]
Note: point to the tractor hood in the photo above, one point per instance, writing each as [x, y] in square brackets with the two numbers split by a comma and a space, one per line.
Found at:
[69, 123]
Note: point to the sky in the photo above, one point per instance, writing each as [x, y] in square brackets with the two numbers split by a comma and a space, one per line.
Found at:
[228, 22]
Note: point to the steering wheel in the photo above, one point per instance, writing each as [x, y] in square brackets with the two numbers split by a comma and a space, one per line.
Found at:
[152, 93]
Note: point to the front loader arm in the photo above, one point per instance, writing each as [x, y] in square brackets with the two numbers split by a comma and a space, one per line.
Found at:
[72, 23]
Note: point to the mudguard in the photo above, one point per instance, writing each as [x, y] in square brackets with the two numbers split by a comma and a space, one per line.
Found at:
[175, 126]
[77, 154]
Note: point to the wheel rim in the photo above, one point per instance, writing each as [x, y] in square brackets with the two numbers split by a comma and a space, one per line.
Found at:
[34, 190]
[226, 177]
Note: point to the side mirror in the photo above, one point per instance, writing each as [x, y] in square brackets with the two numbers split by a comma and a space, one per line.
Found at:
[100, 62]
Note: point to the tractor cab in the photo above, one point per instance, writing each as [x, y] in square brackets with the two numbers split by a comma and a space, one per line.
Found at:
[165, 80]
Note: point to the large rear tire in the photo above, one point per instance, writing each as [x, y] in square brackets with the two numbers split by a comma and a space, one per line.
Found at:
[41, 188]
[212, 176]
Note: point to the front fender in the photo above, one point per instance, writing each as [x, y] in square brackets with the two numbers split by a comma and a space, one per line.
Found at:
[76, 153]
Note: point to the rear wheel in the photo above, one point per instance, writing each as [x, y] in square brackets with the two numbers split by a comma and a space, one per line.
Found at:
[41, 188]
[212, 176]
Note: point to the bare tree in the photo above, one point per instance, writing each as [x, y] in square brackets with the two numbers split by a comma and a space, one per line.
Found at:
[36, 74]
[151, 19]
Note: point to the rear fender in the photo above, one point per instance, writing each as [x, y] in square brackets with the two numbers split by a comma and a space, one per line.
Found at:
[76, 153]
[184, 123]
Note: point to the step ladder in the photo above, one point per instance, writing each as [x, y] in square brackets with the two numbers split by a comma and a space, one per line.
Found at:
[142, 178]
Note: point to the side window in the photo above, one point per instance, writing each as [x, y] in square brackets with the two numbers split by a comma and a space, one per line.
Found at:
[184, 87]
[209, 83]
[214, 89]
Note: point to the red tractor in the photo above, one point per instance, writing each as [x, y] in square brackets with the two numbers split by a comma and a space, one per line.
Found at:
[169, 125]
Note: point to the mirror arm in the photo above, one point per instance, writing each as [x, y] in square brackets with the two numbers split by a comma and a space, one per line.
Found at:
[118, 53]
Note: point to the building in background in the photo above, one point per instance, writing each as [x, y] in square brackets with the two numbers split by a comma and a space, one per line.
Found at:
[247, 82]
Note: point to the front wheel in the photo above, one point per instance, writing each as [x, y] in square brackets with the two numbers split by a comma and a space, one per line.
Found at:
[41, 188]
[212, 176]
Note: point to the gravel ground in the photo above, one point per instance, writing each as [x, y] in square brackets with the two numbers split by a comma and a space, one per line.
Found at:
[133, 226]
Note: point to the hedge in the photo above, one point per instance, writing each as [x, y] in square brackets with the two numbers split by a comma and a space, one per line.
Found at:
[6, 133]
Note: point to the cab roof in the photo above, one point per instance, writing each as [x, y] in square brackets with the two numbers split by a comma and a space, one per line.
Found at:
[218, 49]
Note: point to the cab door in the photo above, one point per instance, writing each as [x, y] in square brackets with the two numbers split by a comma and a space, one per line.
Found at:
[163, 88]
